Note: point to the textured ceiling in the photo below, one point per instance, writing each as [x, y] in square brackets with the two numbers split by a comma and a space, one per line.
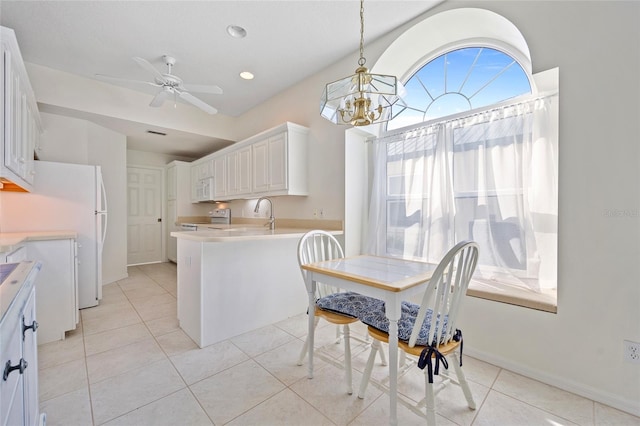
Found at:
[287, 41]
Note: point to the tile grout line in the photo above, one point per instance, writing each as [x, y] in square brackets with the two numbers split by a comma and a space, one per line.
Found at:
[187, 386]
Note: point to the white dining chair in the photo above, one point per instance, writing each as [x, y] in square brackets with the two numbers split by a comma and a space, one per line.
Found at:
[428, 331]
[338, 307]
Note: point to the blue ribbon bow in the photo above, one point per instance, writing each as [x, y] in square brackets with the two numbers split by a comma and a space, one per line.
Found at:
[431, 352]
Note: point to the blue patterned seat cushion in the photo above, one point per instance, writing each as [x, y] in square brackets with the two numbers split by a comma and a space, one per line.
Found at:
[348, 303]
[375, 317]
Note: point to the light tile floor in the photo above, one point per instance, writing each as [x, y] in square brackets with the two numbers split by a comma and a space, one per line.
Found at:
[129, 363]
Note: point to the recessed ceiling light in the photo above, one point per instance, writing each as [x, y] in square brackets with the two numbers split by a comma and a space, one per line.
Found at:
[236, 31]
[246, 75]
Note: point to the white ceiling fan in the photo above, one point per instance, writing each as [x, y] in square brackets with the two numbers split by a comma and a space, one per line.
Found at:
[170, 85]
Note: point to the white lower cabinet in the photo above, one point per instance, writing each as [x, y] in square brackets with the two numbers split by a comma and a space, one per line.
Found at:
[17, 255]
[56, 287]
[219, 297]
[11, 387]
[19, 360]
[30, 356]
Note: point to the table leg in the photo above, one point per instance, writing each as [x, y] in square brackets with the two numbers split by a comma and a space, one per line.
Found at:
[393, 314]
[311, 290]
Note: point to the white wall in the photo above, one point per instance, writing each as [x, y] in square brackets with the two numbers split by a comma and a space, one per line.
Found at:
[142, 158]
[63, 139]
[107, 149]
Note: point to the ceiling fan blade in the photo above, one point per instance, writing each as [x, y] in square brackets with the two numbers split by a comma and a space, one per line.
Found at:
[197, 102]
[159, 98]
[200, 88]
[147, 66]
[125, 80]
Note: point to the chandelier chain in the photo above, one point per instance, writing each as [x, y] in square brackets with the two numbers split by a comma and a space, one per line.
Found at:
[362, 60]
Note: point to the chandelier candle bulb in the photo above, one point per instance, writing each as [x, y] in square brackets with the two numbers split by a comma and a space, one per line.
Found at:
[363, 98]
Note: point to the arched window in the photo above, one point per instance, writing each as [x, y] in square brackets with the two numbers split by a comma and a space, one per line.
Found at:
[458, 81]
[470, 153]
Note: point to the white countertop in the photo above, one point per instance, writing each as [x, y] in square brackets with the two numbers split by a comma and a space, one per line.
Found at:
[243, 233]
[9, 241]
[24, 273]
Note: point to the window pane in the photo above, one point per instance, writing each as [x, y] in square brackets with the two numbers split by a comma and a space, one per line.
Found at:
[459, 81]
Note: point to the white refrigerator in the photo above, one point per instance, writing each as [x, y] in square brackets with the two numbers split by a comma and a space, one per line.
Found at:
[66, 197]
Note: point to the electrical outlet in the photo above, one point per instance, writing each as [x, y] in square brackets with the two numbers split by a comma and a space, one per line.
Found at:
[632, 352]
[315, 212]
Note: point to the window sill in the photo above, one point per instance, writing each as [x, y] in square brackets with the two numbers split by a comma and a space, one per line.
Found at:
[500, 292]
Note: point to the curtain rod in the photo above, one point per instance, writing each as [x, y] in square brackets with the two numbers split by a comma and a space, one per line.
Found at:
[464, 115]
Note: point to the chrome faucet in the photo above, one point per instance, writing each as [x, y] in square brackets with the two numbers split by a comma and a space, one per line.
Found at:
[272, 220]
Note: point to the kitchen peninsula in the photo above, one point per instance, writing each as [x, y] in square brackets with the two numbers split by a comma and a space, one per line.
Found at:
[234, 280]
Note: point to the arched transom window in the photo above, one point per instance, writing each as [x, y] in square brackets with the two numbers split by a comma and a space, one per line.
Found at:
[458, 81]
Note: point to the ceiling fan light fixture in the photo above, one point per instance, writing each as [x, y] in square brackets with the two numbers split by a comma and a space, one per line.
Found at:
[362, 98]
[246, 75]
[236, 31]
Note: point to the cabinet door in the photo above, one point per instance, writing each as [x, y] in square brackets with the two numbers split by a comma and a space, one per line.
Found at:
[205, 169]
[30, 142]
[244, 170]
[56, 292]
[278, 162]
[30, 355]
[260, 154]
[195, 192]
[172, 180]
[232, 173]
[13, 117]
[220, 176]
[11, 390]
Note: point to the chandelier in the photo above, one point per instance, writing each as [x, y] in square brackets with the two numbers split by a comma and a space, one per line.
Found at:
[363, 98]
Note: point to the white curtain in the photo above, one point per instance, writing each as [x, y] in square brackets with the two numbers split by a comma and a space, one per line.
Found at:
[490, 177]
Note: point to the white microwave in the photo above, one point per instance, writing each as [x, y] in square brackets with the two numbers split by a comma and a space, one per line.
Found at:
[204, 190]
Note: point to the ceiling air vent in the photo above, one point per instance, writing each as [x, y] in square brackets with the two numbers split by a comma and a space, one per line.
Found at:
[153, 132]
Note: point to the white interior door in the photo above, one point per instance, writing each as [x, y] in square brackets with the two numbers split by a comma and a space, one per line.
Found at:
[144, 223]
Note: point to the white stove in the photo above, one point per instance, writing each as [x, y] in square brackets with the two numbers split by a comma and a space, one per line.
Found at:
[217, 217]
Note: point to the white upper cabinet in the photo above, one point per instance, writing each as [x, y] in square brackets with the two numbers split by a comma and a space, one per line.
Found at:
[220, 177]
[280, 161]
[270, 163]
[20, 126]
[202, 172]
[239, 172]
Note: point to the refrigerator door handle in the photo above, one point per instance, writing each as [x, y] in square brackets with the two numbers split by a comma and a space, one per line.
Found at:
[104, 227]
[103, 195]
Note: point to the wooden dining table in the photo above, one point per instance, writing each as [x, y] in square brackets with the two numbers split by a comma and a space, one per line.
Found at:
[390, 279]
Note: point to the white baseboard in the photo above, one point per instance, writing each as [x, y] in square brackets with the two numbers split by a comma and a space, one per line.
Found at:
[606, 398]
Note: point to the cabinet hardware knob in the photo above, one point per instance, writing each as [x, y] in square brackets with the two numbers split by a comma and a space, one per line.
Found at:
[8, 368]
[34, 326]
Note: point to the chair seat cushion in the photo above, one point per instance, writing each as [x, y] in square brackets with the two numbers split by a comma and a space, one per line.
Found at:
[376, 318]
[349, 303]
